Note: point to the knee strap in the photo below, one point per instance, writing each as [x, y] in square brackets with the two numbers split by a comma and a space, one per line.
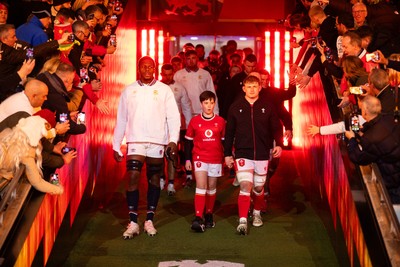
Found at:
[153, 169]
[134, 165]
[259, 180]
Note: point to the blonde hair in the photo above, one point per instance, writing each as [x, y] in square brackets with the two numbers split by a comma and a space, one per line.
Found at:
[51, 65]
[14, 147]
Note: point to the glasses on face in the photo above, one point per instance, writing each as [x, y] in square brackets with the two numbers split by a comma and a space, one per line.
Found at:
[86, 36]
[359, 11]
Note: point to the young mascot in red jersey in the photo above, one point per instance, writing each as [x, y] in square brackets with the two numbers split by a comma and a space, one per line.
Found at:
[205, 134]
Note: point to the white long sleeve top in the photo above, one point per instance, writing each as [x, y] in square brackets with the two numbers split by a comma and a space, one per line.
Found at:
[183, 102]
[147, 113]
[195, 83]
[337, 128]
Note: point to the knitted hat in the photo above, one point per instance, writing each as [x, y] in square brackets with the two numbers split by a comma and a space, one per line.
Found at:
[60, 2]
[41, 14]
[48, 115]
[34, 128]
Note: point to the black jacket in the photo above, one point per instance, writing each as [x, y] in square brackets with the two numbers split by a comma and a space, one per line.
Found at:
[380, 143]
[252, 128]
[57, 101]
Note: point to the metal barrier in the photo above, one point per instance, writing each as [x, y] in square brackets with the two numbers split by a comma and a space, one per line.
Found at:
[11, 203]
[384, 211]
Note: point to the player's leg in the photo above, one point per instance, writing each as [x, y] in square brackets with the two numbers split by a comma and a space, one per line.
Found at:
[214, 171]
[171, 178]
[134, 165]
[199, 198]
[258, 190]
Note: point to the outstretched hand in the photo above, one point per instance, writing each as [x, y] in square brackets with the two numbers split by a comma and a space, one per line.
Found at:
[117, 156]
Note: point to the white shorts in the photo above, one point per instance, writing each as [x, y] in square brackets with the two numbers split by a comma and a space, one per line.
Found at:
[257, 166]
[145, 149]
[213, 170]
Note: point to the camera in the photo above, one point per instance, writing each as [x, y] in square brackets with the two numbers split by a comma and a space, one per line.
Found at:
[314, 40]
[29, 53]
[117, 5]
[83, 74]
[63, 117]
[357, 90]
[328, 53]
[114, 17]
[67, 149]
[372, 56]
[354, 123]
[108, 26]
[71, 38]
[113, 40]
[81, 118]
[54, 179]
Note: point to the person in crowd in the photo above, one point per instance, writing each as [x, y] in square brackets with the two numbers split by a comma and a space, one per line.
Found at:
[378, 144]
[366, 34]
[344, 23]
[302, 7]
[12, 58]
[327, 26]
[59, 84]
[33, 31]
[3, 12]
[360, 13]
[378, 86]
[149, 118]
[32, 97]
[185, 109]
[23, 105]
[387, 62]
[203, 145]
[20, 145]
[251, 126]
[10, 83]
[58, 5]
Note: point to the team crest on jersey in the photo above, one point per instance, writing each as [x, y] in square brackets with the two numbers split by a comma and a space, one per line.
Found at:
[241, 162]
[198, 164]
[240, 110]
[155, 92]
[200, 77]
[263, 110]
[208, 133]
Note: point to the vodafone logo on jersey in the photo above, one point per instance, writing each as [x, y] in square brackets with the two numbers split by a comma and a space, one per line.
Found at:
[208, 133]
[241, 162]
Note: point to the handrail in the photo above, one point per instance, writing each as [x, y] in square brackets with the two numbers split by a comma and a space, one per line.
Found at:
[384, 211]
[11, 203]
[10, 190]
